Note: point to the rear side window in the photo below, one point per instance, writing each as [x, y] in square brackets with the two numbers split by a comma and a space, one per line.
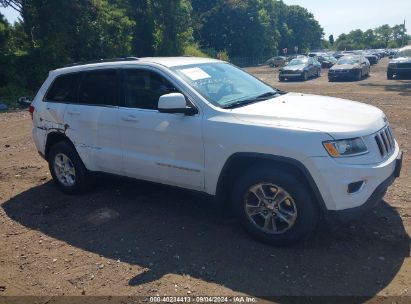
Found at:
[99, 88]
[64, 88]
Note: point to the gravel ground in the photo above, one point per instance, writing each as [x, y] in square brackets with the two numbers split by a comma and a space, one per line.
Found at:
[132, 238]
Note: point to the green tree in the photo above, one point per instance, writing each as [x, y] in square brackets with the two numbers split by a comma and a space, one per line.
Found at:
[307, 33]
[173, 29]
[384, 34]
[142, 12]
[331, 40]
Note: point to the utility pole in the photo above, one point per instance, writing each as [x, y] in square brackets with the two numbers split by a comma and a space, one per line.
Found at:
[403, 34]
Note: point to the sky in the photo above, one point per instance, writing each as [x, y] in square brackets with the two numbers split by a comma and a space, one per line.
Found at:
[337, 16]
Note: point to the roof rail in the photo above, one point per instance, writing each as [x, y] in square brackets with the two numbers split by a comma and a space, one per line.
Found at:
[101, 61]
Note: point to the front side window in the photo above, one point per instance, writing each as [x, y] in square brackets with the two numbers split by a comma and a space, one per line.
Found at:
[144, 88]
[99, 88]
[64, 88]
[223, 84]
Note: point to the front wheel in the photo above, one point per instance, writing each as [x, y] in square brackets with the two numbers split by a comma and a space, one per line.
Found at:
[274, 206]
[305, 76]
[319, 73]
[67, 169]
[359, 76]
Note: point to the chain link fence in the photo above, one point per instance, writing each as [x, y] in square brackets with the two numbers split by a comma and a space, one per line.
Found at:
[244, 62]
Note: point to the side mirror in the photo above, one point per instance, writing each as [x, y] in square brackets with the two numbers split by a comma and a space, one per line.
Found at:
[175, 103]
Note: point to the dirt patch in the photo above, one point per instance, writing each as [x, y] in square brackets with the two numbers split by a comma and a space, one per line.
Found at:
[133, 238]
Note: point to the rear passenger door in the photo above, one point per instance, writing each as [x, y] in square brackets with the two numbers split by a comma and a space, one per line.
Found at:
[92, 122]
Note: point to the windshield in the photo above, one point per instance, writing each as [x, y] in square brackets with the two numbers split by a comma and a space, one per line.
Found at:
[298, 61]
[404, 53]
[223, 84]
[348, 60]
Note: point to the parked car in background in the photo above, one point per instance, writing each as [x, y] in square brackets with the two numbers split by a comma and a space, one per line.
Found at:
[350, 67]
[300, 68]
[276, 61]
[24, 102]
[326, 61]
[373, 59]
[400, 65]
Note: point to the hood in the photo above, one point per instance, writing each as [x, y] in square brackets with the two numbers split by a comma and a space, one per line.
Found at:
[294, 67]
[344, 66]
[338, 117]
[401, 60]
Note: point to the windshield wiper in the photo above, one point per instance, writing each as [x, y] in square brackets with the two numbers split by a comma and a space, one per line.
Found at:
[244, 102]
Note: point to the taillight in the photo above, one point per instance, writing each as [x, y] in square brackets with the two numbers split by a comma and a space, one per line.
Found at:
[31, 111]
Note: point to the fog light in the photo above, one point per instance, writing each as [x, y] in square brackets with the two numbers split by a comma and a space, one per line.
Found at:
[355, 187]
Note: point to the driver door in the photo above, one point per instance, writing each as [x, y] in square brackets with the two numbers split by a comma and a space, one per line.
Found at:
[160, 147]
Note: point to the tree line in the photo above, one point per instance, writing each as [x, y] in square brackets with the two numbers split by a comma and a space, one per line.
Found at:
[52, 33]
[383, 36]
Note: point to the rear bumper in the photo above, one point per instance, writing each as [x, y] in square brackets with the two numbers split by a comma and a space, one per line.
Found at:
[376, 197]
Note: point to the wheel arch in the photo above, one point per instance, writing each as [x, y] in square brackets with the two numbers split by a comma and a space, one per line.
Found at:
[54, 138]
[239, 162]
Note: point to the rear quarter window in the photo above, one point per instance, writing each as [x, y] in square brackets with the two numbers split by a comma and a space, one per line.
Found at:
[64, 88]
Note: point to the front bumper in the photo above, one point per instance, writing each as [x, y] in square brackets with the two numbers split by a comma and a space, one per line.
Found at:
[333, 179]
[372, 201]
[343, 75]
[287, 74]
[400, 72]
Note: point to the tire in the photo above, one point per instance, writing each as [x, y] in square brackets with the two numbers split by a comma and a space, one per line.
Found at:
[359, 76]
[305, 76]
[303, 214]
[390, 76]
[319, 73]
[281, 79]
[75, 179]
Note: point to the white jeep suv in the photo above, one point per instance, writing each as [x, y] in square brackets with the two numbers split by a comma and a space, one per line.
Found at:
[283, 160]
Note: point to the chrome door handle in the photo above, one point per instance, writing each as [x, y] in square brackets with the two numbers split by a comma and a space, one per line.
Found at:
[73, 113]
[130, 118]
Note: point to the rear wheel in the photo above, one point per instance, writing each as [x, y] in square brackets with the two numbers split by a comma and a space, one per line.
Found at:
[67, 169]
[274, 206]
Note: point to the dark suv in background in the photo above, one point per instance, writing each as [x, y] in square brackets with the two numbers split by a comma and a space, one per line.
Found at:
[400, 65]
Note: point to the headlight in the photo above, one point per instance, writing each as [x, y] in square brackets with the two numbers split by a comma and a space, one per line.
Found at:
[345, 147]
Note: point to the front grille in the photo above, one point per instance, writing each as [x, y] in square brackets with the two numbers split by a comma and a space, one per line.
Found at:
[291, 72]
[385, 141]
